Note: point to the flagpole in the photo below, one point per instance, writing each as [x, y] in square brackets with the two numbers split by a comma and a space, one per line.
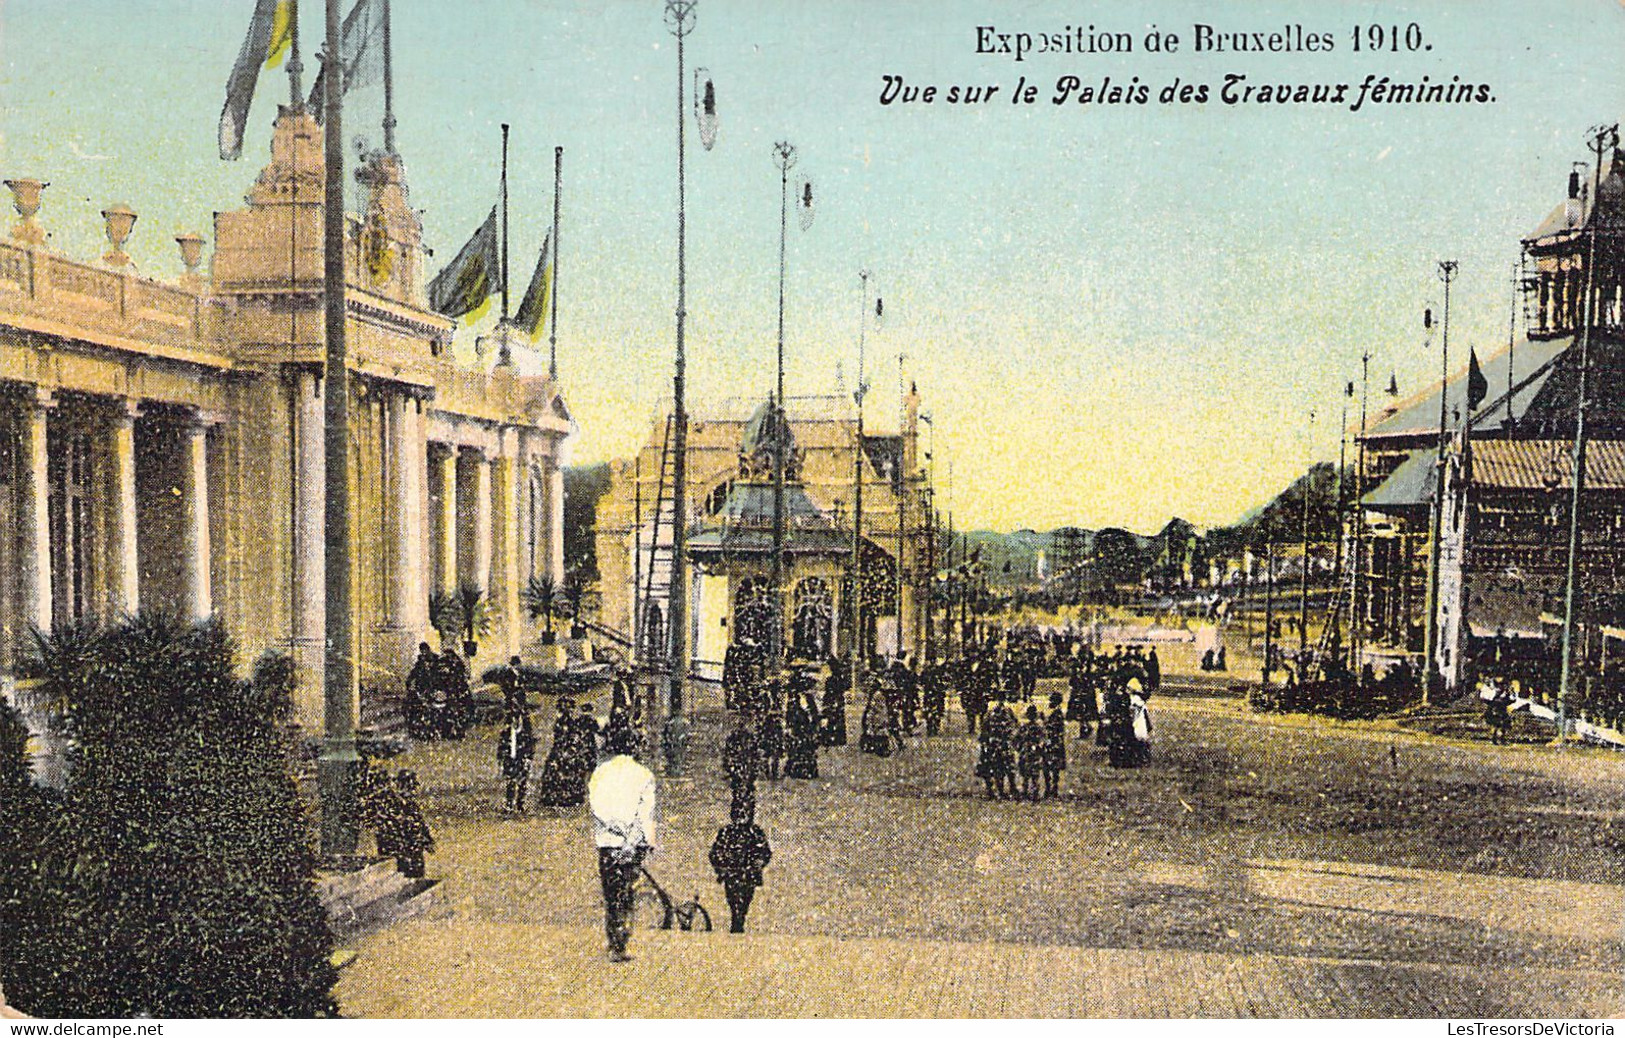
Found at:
[296, 68]
[389, 87]
[504, 227]
[336, 767]
[1357, 528]
[902, 497]
[857, 495]
[553, 286]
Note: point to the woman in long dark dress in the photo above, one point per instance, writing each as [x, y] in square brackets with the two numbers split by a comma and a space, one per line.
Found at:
[832, 731]
[800, 742]
[556, 789]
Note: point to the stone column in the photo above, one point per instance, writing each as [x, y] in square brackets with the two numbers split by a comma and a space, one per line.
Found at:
[406, 521]
[309, 549]
[124, 576]
[444, 459]
[195, 548]
[482, 521]
[525, 543]
[34, 517]
[505, 562]
[552, 548]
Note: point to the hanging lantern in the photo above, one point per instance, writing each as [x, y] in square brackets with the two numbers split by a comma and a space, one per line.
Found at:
[705, 107]
[806, 204]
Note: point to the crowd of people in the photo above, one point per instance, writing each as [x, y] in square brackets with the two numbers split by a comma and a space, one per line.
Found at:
[780, 723]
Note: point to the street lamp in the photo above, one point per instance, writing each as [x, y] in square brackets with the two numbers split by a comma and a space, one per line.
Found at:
[679, 18]
[857, 484]
[784, 156]
[1430, 643]
[1602, 139]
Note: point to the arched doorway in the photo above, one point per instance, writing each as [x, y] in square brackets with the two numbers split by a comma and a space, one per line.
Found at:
[814, 610]
[753, 611]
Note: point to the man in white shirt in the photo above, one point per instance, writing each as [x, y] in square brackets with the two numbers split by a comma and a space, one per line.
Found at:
[621, 795]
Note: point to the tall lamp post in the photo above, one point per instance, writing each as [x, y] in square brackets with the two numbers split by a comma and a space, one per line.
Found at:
[1430, 628]
[857, 490]
[680, 21]
[335, 768]
[1602, 139]
[784, 156]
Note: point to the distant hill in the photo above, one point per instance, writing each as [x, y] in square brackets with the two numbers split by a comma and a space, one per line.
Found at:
[1019, 551]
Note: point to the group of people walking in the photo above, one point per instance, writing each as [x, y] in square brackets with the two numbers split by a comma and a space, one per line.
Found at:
[1033, 750]
[579, 742]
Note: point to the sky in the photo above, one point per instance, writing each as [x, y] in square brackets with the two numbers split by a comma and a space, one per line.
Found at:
[1115, 313]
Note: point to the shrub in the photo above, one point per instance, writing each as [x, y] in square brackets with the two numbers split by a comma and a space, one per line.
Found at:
[177, 877]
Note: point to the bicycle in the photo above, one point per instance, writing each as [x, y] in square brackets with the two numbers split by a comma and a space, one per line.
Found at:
[655, 905]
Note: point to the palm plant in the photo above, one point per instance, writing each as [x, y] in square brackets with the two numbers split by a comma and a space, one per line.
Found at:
[541, 599]
[475, 615]
[574, 592]
[446, 615]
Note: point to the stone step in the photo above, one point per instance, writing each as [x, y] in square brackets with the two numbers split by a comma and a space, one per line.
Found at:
[346, 886]
[372, 897]
[412, 898]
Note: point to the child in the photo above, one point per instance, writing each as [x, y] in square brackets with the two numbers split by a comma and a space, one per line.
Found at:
[738, 856]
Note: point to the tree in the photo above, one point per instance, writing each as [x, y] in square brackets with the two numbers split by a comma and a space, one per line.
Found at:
[584, 487]
[1117, 558]
[25, 822]
[177, 879]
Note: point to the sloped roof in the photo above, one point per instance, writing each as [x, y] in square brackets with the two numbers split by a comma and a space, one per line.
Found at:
[1531, 362]
[1502, 465]
[741, 540]
[1546, 465]
[751, 504]
[766, 430]
[1409, 487]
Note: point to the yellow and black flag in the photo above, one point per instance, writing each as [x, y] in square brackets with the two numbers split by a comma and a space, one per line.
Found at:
[270, 35]
[467, 282]
[533, 308]
[361, 53]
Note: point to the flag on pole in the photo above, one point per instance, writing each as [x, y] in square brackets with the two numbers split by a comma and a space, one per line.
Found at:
[361, 53]
[533, 307]
[468, 281]
[1478, 387]
[270, 35]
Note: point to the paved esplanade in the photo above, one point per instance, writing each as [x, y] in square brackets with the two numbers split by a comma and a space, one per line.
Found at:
[1260, 867]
